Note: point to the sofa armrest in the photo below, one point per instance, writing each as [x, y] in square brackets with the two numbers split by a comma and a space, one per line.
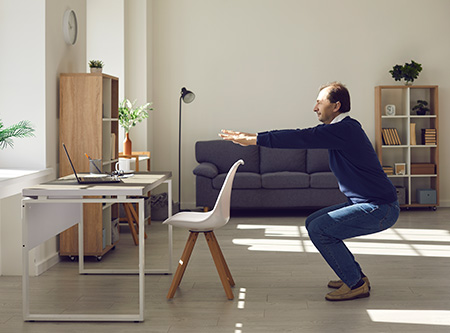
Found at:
[206, 169]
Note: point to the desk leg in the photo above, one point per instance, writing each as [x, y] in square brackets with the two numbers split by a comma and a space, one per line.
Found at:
[25, 272]
[81, 244]
[169, 212]
[141, 258]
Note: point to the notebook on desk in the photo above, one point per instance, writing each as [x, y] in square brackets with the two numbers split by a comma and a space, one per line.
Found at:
[90, 180]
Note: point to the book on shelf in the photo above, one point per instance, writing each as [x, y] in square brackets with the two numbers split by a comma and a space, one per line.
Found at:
[388, 170]
[412, 131]
[429, 136]
[390, 136]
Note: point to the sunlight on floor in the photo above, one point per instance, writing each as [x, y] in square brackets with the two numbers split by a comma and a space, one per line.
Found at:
[423, 317]
[394, 241]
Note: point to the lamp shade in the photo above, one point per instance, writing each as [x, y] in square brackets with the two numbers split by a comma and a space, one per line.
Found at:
[187, 96]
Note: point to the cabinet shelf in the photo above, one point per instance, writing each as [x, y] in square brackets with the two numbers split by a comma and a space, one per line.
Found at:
[413, 131]
[394, 146]
[393, 117]
[423, 117]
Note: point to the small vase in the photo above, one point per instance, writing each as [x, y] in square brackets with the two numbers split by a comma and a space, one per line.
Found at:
[127, 145]
[96, 70]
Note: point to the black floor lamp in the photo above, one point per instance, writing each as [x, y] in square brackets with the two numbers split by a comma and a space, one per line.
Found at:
[187, 97]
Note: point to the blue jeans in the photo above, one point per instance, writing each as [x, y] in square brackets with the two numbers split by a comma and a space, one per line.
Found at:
[329, 226]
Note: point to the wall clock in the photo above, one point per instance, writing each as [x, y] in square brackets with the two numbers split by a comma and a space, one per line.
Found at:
[70, 27]
[390, 110]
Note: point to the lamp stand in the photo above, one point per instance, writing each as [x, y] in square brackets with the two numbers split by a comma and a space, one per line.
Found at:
[179, 157]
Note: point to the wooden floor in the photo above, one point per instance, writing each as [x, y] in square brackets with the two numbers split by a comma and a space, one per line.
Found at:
[280, 282]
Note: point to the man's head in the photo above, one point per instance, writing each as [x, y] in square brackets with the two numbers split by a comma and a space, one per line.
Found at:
[333, 99]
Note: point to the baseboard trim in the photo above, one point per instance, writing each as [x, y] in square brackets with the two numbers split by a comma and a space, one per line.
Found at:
[444, 203]
[42, 266]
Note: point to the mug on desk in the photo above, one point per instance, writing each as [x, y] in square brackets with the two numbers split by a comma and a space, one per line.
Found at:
[95, 166]
[124, 165]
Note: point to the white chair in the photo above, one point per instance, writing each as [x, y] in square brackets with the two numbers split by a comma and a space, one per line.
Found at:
[197, 222]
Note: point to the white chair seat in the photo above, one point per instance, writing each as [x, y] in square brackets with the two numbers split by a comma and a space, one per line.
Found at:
[194, 221]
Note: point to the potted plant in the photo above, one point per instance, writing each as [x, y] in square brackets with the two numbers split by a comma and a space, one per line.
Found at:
[421, 107]
[20, 130]
[96, 66]
[129, 116]
[407, 72]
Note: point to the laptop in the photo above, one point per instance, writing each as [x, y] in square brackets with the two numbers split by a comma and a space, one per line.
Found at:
[90, 180]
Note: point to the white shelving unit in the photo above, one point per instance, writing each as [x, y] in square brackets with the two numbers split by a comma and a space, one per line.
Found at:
[404, 98]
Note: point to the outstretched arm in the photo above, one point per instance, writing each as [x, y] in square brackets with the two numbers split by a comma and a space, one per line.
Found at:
[242, 138]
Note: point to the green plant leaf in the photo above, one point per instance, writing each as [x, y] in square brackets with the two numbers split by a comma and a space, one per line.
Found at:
[129, 115]
[20, 130]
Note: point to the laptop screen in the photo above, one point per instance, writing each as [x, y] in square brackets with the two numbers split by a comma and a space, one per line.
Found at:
[70, 161]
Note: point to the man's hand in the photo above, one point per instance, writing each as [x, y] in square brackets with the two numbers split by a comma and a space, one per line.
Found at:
[242, 138]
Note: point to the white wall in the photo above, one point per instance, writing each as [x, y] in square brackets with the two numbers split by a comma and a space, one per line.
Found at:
[118, 35]
[257, 64]
[137, 78]
[22, 80]
[33, 57]
[60, 58]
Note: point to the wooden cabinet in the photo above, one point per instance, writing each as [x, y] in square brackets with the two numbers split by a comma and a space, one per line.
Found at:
[409, 141]
[88, 124]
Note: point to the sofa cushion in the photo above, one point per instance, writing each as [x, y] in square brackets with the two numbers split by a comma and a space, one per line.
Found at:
[242, 180]
[206, 169]
[275, 159]
[285, 179]
[323, 180]
[224, 154]
[317, 161]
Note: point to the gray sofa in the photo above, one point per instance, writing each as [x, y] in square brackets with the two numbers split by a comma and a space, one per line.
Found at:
[270, 178]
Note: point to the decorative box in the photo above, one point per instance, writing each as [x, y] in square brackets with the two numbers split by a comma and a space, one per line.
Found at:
[401, 196]
[426, 196]
[423, 169]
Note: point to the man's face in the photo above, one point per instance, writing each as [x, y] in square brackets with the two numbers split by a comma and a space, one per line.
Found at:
[326, 111]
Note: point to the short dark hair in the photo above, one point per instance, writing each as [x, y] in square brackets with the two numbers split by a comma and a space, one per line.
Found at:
[338, 93]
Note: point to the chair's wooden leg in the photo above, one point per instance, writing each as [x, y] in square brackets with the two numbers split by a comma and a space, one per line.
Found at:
[224, 262]
[130, 223]
[214, 248]
[182, 264]
[136, 217]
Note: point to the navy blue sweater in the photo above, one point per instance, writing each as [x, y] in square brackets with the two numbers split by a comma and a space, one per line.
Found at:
[352, 158]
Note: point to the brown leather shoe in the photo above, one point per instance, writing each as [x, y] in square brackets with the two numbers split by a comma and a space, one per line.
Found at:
[336, 284]
[345, 293]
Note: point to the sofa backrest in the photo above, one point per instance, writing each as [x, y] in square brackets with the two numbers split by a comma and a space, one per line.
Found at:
[317, 161]
[224, 154]
[275, 159]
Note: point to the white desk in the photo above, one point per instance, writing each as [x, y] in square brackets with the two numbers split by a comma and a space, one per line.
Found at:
[53, 207]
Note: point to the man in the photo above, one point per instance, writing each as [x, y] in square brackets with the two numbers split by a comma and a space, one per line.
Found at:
[372, 200]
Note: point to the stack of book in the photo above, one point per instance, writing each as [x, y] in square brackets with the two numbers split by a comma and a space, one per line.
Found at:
[429, 136]
[390, 136]
[389, 170]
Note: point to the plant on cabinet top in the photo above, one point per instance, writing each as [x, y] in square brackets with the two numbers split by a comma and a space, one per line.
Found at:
[407, 72]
